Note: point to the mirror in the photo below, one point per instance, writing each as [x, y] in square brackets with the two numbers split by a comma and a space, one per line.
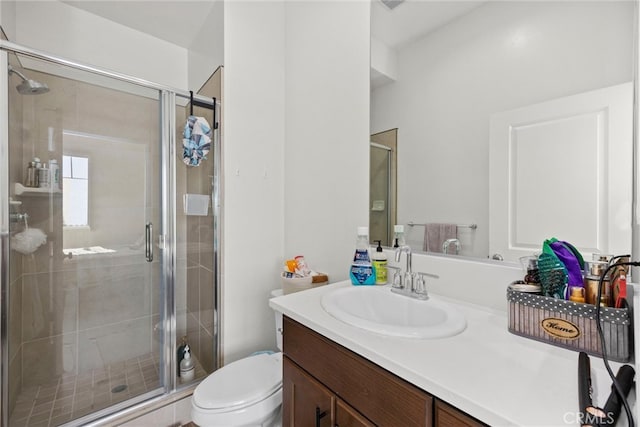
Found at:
[450, 77]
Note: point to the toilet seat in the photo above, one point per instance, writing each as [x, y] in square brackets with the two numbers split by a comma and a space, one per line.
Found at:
[240, 384]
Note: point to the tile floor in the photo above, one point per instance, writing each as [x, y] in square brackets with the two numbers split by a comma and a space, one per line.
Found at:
[74, 396]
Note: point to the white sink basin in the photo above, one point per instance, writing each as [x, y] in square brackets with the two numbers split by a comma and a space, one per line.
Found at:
[377, 309]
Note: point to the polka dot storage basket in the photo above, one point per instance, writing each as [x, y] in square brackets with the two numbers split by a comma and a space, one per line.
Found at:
[570, 324]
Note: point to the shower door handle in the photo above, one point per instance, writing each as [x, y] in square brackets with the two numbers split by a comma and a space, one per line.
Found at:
[148, 246]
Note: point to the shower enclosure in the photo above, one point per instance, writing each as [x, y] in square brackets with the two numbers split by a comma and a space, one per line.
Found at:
[105, 267]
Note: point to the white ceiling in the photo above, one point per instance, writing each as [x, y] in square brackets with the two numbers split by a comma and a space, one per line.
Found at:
[176, 21]
[414, 19]
[179, 21]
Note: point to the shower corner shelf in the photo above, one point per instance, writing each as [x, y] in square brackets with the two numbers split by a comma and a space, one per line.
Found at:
[22, 190]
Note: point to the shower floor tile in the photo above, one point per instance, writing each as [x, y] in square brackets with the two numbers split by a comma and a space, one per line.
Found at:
[74, 396]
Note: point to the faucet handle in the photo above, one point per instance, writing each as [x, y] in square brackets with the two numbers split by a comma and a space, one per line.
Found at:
[408, 281]
[396, 281]
[420, 287]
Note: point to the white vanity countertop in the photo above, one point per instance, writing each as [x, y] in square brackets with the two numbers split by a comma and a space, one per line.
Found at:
[495, 376]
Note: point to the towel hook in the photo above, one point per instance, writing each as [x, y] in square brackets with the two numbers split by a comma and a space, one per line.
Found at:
[191, 103]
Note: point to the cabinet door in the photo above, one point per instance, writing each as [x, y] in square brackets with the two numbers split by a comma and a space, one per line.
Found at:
[448, 416]
[383, 398]
[305, 402]
[346, 416]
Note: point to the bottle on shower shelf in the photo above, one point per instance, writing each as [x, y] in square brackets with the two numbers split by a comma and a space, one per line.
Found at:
[31, 179]
[54, 172]
[43, 176]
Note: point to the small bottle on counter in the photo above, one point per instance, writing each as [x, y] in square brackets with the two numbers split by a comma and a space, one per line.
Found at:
[379, 260]
[362, 271]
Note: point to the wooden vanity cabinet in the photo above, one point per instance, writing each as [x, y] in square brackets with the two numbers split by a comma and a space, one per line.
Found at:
[310, 404]
[327, 385]
[448, 416]
[346, 416]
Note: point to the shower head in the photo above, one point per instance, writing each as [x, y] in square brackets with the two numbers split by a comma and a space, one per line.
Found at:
[28, 86]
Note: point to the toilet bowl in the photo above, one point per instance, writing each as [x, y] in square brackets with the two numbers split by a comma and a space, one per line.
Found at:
[245, 393]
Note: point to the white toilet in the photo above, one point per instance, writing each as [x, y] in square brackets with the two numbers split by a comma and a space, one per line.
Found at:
[245, 393]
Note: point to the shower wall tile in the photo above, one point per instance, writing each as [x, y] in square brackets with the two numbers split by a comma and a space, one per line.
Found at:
[206, 350]
[181, 322]
[15, 378]
[193, 334]
[49, 306]
[206, 239]
[102, 107]
[15, 318]
[112, 343]
[180, 287]
[116, 294]
[193, 246]
[49, 358]
[157, 338]
[206, 299]
[193, 290]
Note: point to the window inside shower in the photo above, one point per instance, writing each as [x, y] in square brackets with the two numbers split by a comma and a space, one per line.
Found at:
[113, 276]
[75, 185]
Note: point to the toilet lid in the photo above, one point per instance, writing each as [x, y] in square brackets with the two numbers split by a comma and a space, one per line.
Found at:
[241, 383]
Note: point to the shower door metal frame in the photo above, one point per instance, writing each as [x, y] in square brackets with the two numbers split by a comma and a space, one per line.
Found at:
[4, 237]
[167, 100]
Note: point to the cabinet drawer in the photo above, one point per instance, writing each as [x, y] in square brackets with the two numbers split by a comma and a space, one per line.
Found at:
[379, 395]
[448, 416]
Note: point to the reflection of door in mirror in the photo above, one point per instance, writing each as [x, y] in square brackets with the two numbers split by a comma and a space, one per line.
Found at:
[563, 168]
[382, 186]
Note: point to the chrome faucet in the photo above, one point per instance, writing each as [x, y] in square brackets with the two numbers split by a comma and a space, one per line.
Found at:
[445, 245]
[408, 275]
[412, 284]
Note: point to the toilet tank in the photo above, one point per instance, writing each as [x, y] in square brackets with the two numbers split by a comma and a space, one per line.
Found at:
[277, 293]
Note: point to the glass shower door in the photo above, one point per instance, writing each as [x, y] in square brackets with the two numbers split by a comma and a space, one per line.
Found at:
[86, 284]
